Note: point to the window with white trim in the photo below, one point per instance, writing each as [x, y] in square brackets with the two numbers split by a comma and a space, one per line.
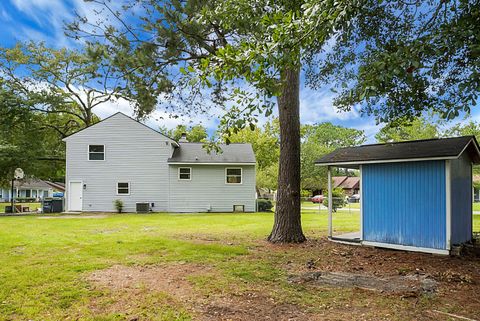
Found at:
[233, 176]
[184, 173]
[96, 152]
[123, 188]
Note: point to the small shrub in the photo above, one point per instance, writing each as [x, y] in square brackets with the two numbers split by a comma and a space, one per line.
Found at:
[305, 193]
[338, 198]
[264, 205]
[118, 205]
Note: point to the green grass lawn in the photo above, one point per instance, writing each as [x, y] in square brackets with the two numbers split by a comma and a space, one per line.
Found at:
[476, 207]
[45, 261]
[33, 206]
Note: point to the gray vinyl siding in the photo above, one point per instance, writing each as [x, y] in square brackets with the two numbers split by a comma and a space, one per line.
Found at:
[207, 189]
[133, 153]
[461, 202]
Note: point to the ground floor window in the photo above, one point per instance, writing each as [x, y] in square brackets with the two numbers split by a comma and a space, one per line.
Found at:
[184, 173]
[123, 188]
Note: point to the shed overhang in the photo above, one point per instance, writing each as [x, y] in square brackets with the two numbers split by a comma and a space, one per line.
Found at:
[410, 151]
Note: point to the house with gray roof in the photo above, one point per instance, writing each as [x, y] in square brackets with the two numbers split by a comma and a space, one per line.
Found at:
[31, 189]
[121, 158]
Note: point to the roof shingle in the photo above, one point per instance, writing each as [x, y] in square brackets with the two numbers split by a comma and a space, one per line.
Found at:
[418, 149]
[194, 153]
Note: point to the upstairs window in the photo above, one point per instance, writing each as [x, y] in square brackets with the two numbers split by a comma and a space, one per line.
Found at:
[96, 152]
[123, 188]
[185, 173]
[233, 176]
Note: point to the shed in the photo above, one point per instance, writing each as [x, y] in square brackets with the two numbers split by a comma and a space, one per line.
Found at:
[414, 195]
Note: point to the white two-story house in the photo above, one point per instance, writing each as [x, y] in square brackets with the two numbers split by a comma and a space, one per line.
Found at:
[120, 158]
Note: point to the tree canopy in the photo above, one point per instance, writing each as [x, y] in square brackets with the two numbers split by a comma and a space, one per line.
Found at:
[29, 140]
[59, 81]
[195, 133]
[409, 129]
[318, 140]
[405, 57]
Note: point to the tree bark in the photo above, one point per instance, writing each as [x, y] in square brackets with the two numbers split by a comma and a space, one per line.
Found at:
[287, 227]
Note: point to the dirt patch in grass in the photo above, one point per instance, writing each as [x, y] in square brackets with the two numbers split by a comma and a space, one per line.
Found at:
[458, 278]
[131, 285]
[162, 278]
[406, 285]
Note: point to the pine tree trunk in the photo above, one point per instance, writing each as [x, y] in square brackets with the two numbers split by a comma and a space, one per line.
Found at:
[287, 227]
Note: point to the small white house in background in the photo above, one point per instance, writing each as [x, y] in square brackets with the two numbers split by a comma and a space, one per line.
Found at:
[120, 158]
[30, 188]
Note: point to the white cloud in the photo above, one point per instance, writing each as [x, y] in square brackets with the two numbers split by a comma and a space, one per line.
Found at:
[317, 106]
[157, 118]
[50, 17]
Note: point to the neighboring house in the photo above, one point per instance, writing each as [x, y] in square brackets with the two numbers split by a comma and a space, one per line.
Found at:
[30, 188]
[120, 158]
[349, 184]
[415, 195]
[476, 189]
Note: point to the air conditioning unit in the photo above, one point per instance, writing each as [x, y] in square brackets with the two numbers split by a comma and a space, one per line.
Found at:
[143, 207]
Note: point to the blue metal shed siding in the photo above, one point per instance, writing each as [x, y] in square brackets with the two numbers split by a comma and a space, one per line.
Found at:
[405, 203]
[461, 180]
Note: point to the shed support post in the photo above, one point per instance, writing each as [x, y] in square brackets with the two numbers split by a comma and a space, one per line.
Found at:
[330, 229]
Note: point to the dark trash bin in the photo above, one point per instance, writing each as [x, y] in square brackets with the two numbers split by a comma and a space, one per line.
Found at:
[53, 205]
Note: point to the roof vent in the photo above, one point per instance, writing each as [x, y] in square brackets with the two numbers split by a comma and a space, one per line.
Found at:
[183, 139]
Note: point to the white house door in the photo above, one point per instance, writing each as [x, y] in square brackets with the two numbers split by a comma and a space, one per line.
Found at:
[75, 196]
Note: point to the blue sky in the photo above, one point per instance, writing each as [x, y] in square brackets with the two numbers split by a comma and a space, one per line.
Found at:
[43, 20]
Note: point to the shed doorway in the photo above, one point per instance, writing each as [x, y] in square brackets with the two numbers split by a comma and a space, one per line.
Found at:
[344, 211]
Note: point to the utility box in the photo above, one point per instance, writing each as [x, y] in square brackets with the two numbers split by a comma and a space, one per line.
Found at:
[53, 205]
[143, 208]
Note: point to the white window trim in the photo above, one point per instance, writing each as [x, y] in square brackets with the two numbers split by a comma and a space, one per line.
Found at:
[241, 176]
[123, 194]
[96, 160]
[185, 179]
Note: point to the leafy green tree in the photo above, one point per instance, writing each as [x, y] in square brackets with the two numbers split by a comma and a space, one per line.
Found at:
[462, 129]
[26, 141]
[333, 136]
[407, 129]
[267, 177]
[65, 82]
[195, 134]
[318, 140]
[465, 129]
[338, 199]
[404, 57]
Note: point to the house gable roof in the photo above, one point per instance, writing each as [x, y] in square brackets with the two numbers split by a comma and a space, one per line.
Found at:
[347, 182]
[195, 153]
[119, 114]
[31, 183]
[338, 180]
[351, 182]
[428, 149]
